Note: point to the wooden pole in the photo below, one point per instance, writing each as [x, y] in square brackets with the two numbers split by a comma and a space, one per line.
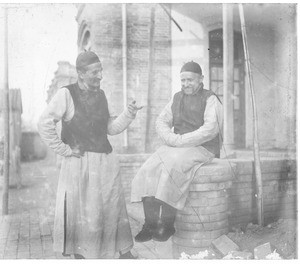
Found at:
[124, 65]
[228, 67]
[150, 78]
[259, 187]
[6, 118]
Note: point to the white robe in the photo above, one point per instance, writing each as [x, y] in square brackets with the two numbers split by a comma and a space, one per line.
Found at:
[96, 224]
[168, 172]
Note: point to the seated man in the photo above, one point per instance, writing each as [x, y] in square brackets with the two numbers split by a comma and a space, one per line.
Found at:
[190, 126]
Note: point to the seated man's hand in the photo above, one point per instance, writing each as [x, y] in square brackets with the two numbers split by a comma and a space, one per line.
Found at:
[133, 108]
[172, 139]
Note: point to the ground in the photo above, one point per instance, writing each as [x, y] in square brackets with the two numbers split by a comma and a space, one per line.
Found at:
[31, 213]
[281, 234]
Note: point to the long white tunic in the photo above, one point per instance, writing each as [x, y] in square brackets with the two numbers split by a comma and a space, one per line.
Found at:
[167, 174]
[89, 190]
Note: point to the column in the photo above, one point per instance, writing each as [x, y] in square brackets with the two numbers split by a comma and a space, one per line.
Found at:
[228, 69]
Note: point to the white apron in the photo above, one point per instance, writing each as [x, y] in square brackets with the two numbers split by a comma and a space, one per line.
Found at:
[167, 174]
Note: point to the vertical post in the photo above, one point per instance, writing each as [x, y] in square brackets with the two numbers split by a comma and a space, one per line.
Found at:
[228, 81]
[259, 187]
[150, 77]
[6, 118]
[124, 62]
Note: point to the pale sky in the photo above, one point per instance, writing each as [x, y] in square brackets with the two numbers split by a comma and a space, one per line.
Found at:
[40, 35]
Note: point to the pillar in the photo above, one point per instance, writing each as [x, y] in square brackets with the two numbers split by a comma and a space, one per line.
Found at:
[228, 81]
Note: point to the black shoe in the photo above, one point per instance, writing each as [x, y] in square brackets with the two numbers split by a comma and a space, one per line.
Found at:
[127, 255]
[145, 234]
[78, 256]
[163, 233]
[165, 224]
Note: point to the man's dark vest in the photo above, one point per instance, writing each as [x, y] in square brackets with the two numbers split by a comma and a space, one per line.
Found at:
[188, 116]
[87, 130]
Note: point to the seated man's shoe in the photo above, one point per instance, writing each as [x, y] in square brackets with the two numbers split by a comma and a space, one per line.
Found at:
[78, 256]
[163, 233]
[127, 255]
[145, 234]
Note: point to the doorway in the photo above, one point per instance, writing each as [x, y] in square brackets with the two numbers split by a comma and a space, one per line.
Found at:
[216, 80]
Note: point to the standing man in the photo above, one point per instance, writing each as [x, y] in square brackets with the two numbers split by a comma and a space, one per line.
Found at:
[189, 126]
[90, 218]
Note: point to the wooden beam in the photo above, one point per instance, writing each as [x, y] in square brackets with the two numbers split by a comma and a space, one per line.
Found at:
[150, 79]
[228, 81]
[124, 66]
[6, 118]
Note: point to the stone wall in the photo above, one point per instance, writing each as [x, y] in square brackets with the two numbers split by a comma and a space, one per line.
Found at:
[279, 188]
[64, 75]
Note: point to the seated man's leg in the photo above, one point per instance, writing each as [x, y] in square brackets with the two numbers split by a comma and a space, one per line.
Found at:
[151, 211]
[165, 227]
[159, 220]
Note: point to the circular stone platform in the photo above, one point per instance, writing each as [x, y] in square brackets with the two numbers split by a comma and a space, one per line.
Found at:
[205, 215]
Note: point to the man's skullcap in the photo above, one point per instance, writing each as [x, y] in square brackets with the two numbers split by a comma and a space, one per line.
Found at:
[86, 58]
[191, 67]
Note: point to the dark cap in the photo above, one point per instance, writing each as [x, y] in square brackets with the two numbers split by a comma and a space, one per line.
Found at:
[86, 58]
[191, 67]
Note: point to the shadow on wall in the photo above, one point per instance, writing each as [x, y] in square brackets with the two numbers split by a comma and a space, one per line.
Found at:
[32, 147]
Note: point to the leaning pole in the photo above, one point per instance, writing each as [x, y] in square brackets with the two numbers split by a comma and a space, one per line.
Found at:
[259, 186]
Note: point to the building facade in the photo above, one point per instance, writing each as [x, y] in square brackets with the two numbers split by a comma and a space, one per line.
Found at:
[133, 42]
[143, 46]
[272, 43]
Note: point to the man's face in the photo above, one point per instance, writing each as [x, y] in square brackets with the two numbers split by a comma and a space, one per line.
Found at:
[190, 82]
[92, 76]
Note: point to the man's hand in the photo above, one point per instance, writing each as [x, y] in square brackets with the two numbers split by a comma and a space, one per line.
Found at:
[133, 108]
[76, 153]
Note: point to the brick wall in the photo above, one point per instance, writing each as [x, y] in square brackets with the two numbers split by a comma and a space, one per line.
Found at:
[104, 22]
[279, 191]
[279, 188]
[154, 98]
[129, 166]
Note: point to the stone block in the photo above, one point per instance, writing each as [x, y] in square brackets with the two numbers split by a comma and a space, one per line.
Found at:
[201, 218]
[209, 194]
[197, 227]
[204, 210]
[262, 251]
[239, 255]
[224, 245]
[204, 187]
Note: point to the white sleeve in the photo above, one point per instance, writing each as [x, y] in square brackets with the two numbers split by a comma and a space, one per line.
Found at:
[213, 123]
[164, 124]
[117, 124]
[60, 107]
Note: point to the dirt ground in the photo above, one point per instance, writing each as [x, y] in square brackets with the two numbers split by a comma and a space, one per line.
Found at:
[281, 234]
[40, 182]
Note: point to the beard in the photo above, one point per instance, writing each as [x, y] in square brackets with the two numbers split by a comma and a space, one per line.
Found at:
[93, 85]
